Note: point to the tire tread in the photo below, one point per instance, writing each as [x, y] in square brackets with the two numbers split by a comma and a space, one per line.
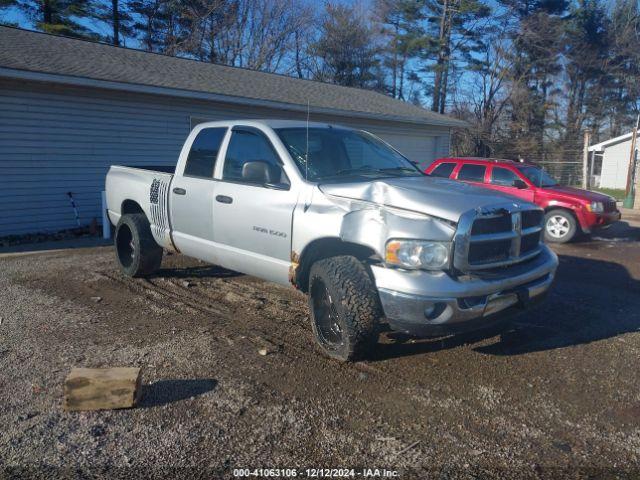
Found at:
[359, 302]
[149, 258]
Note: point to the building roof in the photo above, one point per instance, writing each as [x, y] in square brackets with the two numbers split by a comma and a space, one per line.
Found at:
[598, 147]
[57, 58]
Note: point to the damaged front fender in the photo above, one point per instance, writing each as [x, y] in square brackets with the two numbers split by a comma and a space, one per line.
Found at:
[375, 226]
[328, 225]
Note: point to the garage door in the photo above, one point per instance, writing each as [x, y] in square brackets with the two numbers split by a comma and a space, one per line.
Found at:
[418, 149]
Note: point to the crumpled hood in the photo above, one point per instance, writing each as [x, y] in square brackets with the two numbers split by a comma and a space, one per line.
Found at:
[437, 197]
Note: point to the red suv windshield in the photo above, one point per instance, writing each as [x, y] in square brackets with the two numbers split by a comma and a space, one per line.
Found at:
[538, 176]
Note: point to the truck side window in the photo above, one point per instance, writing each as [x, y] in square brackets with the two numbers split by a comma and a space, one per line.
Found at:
[503, 177]
[248, 146]
[443, 170]
[203, 153]
[470, 172]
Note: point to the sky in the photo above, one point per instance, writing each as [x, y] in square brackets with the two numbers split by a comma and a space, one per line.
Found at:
[15, 16]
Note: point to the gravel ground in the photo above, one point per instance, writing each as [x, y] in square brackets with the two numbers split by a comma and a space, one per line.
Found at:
[556, 396]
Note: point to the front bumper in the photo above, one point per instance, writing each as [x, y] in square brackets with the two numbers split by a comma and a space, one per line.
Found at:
[434, 303]
[592, 221]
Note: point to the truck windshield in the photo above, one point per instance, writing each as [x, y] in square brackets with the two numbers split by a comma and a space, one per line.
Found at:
[336, 154]
[538, 176]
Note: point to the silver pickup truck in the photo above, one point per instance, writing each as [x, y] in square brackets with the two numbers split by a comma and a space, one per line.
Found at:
[342, 216]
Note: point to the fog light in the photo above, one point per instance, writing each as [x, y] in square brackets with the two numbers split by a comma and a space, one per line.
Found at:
[434, 310]
[429, 310]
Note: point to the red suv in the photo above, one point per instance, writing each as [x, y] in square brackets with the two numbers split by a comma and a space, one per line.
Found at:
[568, 210]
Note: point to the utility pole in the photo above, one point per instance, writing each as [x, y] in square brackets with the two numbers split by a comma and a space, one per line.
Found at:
[630, 191]
[585, 160]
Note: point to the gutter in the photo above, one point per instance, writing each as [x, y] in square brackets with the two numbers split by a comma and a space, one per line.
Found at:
[29, 75]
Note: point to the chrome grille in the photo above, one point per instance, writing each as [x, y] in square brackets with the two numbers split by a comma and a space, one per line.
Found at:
[532, 218]
[497, 236]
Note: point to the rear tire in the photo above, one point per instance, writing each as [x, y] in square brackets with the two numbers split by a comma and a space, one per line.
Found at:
[345, 308]
[137, 252]
[560, 226]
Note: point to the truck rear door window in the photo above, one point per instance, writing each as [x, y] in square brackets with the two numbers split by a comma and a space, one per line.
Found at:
[204, 151]
[470, 172]
[443, 170]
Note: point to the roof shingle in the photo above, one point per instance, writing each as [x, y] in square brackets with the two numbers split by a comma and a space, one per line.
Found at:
[43, 53]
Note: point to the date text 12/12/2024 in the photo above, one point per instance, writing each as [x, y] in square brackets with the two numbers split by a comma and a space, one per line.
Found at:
[315, 473]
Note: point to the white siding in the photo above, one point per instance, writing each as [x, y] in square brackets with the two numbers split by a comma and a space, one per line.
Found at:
[615, 165]
[56, 139]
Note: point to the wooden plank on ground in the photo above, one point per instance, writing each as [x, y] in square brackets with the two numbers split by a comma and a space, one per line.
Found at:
[101, 388]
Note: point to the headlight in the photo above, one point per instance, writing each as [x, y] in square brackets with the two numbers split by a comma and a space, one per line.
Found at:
[418, 254]
[596, 207]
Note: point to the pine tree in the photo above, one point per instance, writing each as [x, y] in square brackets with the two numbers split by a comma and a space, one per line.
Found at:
[347, 49]
[61, 17]
[623, 68]
[586, 52]
[457, 29]
[116, 15]
[537, 47]
[400, 22]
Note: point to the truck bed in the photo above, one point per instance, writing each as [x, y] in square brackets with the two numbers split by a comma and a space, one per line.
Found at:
[143, 187]
[152, 168]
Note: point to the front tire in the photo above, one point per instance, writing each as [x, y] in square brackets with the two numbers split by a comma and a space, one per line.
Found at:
[345, 308]
[137, 252]
[560, 226]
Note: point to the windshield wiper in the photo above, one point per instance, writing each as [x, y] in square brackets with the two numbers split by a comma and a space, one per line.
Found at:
[350, 172]
[402, 169]
[368, 170]
[363, 169]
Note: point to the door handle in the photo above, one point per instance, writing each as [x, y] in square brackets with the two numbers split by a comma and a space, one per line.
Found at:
[179, 191]
[224, 199]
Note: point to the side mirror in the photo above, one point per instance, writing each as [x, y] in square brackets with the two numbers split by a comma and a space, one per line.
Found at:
[260, 172]
[520, 184]
[263, 173]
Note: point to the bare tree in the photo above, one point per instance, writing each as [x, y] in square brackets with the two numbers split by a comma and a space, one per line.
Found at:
[253, 34]
[486, 101]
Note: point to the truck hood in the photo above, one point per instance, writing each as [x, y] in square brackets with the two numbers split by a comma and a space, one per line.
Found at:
[437, 197]
[578, 194]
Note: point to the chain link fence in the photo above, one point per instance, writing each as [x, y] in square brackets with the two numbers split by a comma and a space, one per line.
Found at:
[562, 160]
[566, 173]
[566, 167]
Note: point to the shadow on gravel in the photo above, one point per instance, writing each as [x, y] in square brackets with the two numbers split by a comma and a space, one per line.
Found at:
[618, 232]
[590, 300]
[204, 271]
[163, 392]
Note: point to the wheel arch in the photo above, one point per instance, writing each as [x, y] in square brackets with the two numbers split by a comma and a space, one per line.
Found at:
[565, 208]
[322, 248]
[131, 206]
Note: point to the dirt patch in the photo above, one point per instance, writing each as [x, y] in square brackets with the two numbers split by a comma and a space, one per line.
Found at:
[556, 395]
